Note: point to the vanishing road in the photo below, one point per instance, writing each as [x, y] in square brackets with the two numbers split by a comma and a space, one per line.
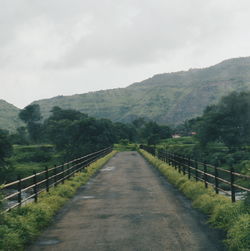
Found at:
[128, 206]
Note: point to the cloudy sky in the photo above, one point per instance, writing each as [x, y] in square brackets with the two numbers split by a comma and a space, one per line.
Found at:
[64, 47]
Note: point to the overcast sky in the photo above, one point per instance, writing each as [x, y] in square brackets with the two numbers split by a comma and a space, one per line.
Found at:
[64, 47]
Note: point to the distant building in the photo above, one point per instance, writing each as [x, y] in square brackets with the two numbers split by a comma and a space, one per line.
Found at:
[176, 136]
[193, 133]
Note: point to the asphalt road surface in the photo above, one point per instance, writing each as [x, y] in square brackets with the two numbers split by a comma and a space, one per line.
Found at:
[128, 206]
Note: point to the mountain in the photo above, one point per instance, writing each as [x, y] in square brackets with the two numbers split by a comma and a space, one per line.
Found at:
[168, 98]
[9, 119]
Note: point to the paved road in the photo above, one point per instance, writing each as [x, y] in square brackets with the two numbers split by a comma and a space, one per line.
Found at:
[128, 206]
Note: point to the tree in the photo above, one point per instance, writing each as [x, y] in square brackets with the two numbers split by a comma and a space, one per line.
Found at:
[153, 133]
[31, 116]
[124, 132]
[20, 137]
[5, 152]
[77, 134]
[227, 122]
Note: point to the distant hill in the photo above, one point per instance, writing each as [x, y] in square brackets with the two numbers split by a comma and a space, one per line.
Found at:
[9, 119]
[168, 98]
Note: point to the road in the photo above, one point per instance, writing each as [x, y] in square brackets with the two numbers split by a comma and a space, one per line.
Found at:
[128, 206]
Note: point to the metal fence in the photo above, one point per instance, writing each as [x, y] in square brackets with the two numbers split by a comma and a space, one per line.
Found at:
[225, 181]
[27, 189]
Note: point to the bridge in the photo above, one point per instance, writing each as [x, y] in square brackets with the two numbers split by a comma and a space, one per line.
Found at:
[128, 206]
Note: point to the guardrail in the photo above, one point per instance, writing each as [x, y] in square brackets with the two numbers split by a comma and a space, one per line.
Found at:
[226, 181]
[32, 186]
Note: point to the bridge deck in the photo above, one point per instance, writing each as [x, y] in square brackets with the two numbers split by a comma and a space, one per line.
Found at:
[128, 206]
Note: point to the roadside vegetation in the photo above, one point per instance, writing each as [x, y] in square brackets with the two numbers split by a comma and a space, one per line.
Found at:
[233, 218]
[21, 226]
[221, 137]
[215, 153]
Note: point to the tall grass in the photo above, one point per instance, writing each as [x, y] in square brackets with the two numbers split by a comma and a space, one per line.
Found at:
[233, 218]
[21, 226]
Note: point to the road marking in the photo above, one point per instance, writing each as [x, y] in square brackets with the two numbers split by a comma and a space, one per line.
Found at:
[108, 169]
[48, 242]
[88, 197]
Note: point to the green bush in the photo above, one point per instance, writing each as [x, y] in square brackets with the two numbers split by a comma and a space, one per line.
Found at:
[207, 202]
[226, 214]
[239, 234]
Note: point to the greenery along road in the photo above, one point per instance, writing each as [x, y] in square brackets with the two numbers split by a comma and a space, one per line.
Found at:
[128, 206]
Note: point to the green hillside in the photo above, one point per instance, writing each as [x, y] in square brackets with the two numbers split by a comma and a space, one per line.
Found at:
[9, 116]
[167, 98]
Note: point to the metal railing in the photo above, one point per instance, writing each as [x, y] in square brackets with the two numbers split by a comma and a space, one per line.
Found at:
[222, 180]
[27, 189]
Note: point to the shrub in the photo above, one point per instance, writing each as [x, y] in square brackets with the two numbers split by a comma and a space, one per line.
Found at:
[207, 202]
[226, 214]
[238, 237]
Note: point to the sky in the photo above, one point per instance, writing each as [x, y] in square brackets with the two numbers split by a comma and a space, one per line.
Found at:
[65, 47]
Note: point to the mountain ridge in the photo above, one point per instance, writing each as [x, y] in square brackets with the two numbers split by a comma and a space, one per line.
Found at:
[9, 119]
[168, 98]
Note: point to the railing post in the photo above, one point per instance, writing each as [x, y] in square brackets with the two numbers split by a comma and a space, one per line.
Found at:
[47, 178]
[189, 169]
[205, 174]
[68, 171]
[232, 184]
[174, 161]
[35, 186]
[19, 188]
[196, 170]
[179, 163]
[184, 164]
[216, 180]
[63, 174]
[55, 176]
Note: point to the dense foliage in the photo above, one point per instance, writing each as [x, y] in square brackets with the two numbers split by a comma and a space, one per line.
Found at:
[31, 116]
[75, 133]
[221, 135]
[5, 152]
[227, 122]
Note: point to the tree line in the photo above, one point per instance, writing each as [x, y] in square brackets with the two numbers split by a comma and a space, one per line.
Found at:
[74, 133]
[227, 122]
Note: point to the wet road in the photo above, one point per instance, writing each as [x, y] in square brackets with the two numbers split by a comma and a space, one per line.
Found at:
[128, 206]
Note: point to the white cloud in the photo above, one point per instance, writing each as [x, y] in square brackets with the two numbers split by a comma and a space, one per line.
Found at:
[55, 47]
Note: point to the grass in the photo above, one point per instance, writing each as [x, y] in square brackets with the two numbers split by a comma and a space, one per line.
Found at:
[233, 218]
[21, 226]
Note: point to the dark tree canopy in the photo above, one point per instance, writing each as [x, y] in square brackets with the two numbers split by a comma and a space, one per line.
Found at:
[5, 147]
[30, 113]
[227, 122]
[153, 133]
[5, 152]
[31, 116]
[76, 133]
